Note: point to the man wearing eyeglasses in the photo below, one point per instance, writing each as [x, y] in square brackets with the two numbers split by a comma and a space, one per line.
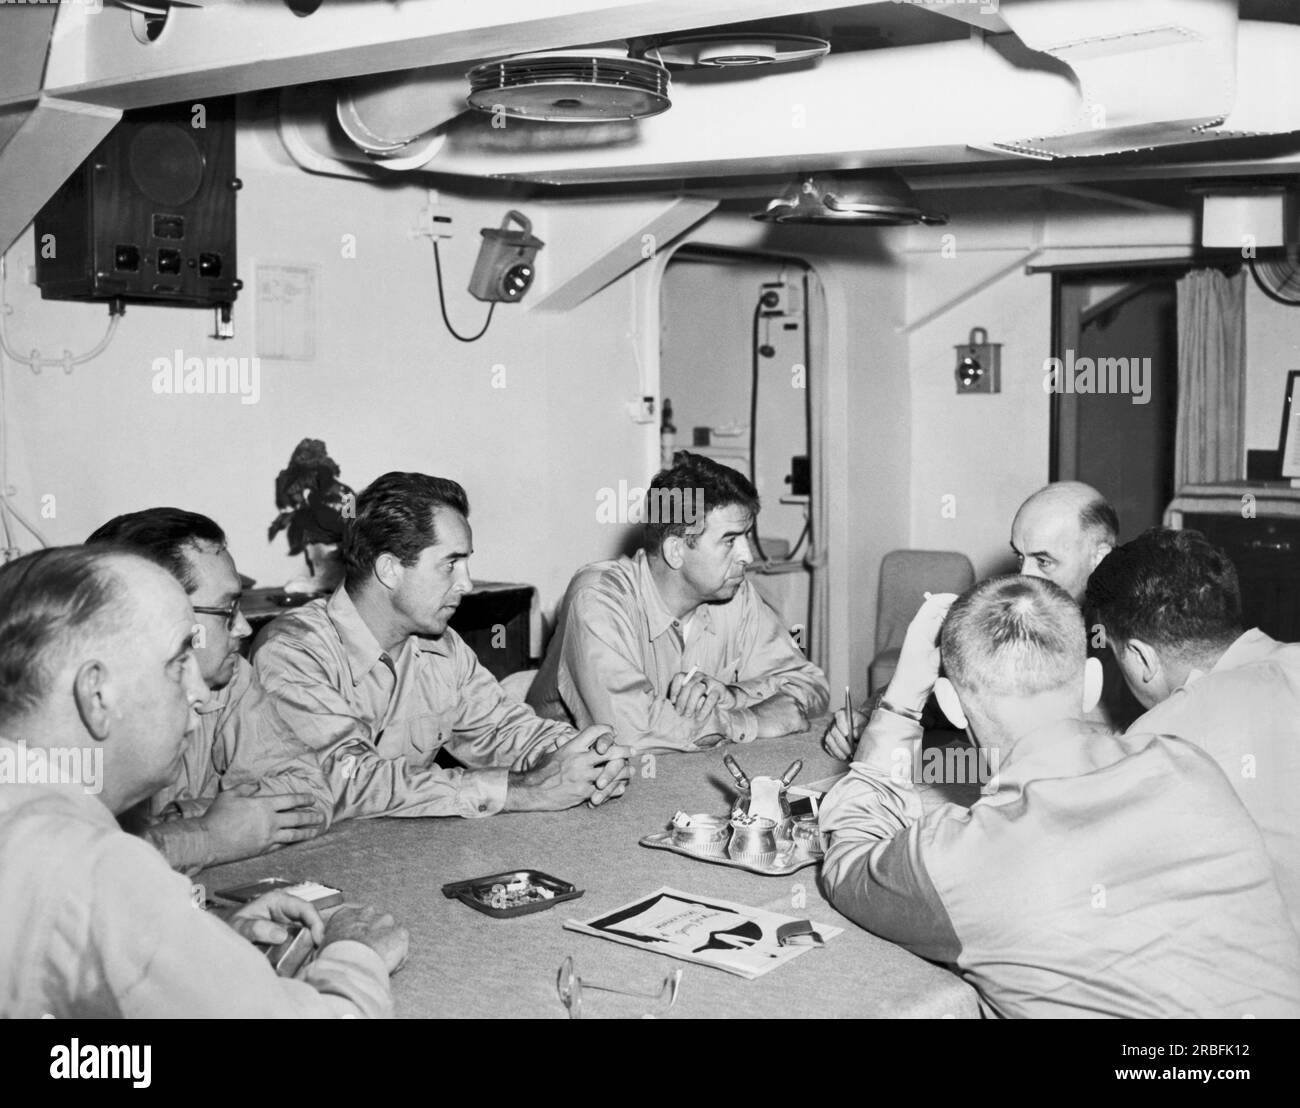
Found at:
[244, 786]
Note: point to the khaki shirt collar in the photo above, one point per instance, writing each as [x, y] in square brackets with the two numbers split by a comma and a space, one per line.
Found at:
[360, 646]
[1249, 647]
[658, 618]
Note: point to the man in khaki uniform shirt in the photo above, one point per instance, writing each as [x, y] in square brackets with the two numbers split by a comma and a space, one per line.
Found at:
[674, 648]
[376, 670]
[1171, 606]
[245, 784]
[98, 683]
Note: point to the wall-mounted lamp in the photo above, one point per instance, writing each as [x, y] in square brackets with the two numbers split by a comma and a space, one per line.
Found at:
[504, 270]
[979, 364]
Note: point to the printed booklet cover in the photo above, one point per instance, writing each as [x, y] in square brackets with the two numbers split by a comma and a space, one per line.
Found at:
[710, 932]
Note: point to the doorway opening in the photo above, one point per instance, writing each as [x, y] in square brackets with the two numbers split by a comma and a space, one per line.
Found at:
[734, 373]
[1113, 382]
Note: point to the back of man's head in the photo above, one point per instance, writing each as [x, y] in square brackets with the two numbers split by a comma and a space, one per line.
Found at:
[1173, 590]
[1013, 636]
[49, 602]
[679, 498]
[163, 535]
[395, 515]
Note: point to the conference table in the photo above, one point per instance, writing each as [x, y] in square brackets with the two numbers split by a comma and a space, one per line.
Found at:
[463, 963]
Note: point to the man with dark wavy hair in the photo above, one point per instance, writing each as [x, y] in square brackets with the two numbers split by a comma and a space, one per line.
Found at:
[244, 784]
[1105, 875]
[1171, 606]
[377, 665]
[674, 648]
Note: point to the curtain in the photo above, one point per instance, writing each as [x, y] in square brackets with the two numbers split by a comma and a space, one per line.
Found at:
[1211, 377]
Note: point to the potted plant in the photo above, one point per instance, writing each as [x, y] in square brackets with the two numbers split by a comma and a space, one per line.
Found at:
[314, 507]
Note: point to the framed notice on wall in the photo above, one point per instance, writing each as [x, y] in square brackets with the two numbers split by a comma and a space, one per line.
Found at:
[1289, 444]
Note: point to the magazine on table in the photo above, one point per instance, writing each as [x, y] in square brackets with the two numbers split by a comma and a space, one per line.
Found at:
[733, 937]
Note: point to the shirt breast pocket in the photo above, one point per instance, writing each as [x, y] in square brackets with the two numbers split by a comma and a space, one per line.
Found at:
[417, 738]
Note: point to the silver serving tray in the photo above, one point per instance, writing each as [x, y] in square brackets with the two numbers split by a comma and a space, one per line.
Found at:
[789, 858]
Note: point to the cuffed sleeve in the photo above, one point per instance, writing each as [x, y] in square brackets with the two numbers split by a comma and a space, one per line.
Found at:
[163, 958]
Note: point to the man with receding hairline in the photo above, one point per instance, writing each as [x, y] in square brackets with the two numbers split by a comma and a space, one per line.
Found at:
[96, 654]
[1061, 534]
[1106, 875]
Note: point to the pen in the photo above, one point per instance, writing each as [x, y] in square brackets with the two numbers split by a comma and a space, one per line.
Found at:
[848, 706]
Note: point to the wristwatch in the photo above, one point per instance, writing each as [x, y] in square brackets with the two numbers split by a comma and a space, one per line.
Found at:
[906, 713]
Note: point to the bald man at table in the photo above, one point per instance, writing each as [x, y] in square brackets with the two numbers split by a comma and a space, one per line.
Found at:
[378, 664]
[674, 648]
[98, 684]
[1104, 875]
[1061, 534]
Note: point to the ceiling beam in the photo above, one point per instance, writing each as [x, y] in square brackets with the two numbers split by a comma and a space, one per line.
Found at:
[638, 232]
[54, 138]
[1108, 197]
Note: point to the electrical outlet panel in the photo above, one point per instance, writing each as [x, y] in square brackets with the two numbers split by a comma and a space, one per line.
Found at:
[434, 220]
[779, 298]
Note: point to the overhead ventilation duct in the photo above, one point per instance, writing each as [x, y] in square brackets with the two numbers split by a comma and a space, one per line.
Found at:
[723, 51]
[878, 199]
[970, 101]
[1158, 73]
[571, 86]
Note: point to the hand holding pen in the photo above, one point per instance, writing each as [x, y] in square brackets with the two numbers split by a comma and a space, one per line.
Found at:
[841, 738]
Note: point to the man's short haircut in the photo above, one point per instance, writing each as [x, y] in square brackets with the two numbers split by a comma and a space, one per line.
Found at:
[1173, 589]
[1013, 636]
[395, 515]
[163, 535]
[48, 599]
[679, 499]
[1098, 519]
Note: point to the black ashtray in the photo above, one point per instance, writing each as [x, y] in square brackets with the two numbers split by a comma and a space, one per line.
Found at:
[519, 892]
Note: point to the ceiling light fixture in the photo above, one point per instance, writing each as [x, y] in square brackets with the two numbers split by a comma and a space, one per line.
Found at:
[879, 199]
